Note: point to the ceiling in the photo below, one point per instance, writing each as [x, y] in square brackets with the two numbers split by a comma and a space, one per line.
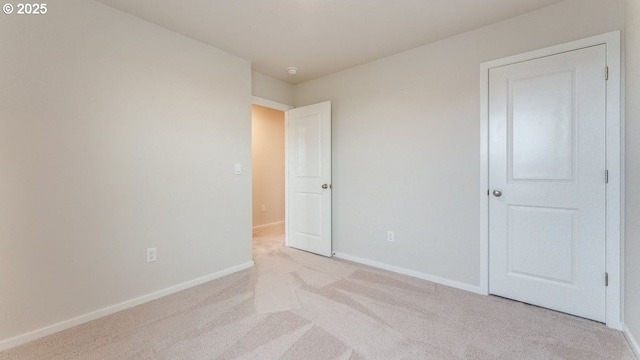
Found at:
[321, 37]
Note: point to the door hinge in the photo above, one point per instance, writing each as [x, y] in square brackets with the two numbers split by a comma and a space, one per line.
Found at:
[606, 176]
[606, 279]
[606, 73]
[487, 192]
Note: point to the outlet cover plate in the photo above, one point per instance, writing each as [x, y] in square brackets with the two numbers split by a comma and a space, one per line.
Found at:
[151, 254]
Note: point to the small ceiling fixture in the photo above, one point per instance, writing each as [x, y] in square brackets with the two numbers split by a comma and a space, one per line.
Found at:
[292, 70]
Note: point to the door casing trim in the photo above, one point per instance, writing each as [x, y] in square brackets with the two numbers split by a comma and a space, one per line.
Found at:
[614, 163]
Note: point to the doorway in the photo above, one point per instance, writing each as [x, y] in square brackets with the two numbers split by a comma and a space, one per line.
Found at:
[268, 178]
[306, 149]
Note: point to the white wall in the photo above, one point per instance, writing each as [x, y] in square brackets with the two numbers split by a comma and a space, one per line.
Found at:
[270, 88]
[632, 201]
[406, 140]
[115, 136]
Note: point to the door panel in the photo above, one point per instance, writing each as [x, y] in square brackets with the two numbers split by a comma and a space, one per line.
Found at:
[547, 158]
[308, 143]
[309, 159]
[543, 127]
[529, 242]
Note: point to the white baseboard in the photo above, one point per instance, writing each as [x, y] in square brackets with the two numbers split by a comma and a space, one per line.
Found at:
[633, 342]
[416, 274]
[268, 225]
[63, 325]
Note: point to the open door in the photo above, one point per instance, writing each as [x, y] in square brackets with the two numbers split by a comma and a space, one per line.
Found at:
[309, 178]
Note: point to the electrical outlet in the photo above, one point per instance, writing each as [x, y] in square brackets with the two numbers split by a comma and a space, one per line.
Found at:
[263, 208]
[151, 254]
[390, 236]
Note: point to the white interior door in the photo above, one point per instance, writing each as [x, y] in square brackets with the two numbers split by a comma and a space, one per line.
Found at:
[309, 178]
[547, 182]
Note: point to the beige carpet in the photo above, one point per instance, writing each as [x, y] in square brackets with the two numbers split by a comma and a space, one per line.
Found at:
[294, 305]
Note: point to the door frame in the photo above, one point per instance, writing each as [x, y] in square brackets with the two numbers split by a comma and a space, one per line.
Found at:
[255, 100]
[614, 162]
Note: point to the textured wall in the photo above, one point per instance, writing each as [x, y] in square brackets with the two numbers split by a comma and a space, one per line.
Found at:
[406, 140]
[270, 88]
[115, 136]
[632, 191]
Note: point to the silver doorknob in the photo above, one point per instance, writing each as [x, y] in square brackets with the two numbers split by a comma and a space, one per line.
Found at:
[497, 193]
[325, 186]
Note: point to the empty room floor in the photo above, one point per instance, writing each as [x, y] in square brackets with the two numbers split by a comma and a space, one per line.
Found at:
[295, 305]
